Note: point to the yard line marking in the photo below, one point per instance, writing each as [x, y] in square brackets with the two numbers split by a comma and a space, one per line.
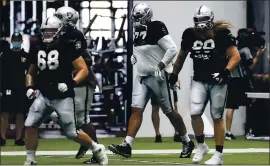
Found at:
[157, 151]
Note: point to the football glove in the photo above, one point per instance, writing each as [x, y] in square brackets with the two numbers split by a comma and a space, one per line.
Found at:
[222, 77]
[62, 87]
[133, 60]
[31, 93]
[172, 80]
[158, 74]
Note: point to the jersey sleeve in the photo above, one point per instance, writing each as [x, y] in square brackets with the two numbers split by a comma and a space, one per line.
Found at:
[32, 57]
[227, 38]
[160, 30]
[186, 42]
[80, 42]
[74, 51]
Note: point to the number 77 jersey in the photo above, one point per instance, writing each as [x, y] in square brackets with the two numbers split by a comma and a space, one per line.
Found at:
[54, 65]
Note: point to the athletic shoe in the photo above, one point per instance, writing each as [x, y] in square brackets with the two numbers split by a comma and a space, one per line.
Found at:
[216, 159]
[19, 142]
[122, 149]
[28, 162]
[2, 141]
[100, 154]
[201, 152]
[81, 152]
[229, 136]
[92, 160]
[188, 147]
[158, 139]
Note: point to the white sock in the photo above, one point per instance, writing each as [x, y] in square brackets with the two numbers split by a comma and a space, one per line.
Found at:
[129, 140]
[229, 132]
[185, 138]
[94, 146]
[30, 155]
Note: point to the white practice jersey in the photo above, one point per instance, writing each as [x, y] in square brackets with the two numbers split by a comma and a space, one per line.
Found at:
[152, 45]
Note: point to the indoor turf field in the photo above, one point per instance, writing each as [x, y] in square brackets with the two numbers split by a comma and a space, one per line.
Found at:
[145, 152]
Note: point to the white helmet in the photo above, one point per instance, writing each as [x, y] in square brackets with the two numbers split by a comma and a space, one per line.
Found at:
[203, 18]
[68, 15]
[51, 29]
[141, 14]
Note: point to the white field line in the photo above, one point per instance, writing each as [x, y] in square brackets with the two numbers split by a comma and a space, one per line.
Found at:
[157, 151]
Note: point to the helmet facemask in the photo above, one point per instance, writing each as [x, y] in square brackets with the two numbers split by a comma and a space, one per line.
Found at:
[203, 23]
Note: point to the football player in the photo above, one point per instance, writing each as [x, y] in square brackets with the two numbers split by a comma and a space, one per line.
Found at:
[214, 53]
[54, 89]
[85, 90]
[154, 51]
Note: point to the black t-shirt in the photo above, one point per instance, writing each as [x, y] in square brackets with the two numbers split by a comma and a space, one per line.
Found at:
[14, 65]
[76, 36]
[55, 66]
[209, 54]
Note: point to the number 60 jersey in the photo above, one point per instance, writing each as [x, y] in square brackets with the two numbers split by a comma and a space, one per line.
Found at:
[54, 63]
[208, 54]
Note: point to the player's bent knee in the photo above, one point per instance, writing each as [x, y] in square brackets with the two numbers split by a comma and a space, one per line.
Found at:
[71, 134]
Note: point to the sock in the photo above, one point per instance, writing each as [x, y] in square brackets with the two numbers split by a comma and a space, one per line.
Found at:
[185, 138]
[94, 146]
[90, 130]
[200, 139]
[30, 155]
[219, 148]
[229, 132]
[129, 140]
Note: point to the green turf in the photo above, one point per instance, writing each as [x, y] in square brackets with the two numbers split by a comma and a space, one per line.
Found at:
[236, 159]
[138, 159]
[140, 143]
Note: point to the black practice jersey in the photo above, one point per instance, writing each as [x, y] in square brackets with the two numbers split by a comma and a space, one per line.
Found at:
[55, 66]
[76, 36]
[208, 54]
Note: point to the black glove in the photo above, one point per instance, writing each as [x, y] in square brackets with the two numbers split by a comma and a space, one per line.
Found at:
[222, 77]
[173, 79]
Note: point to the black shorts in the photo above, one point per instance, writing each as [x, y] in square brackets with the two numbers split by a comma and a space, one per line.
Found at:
[237, 87]
[16, 103]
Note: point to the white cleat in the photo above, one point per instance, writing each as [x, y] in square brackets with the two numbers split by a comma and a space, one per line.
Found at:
[201, 152]
[100, 154]
[216, 159]
[29, 162]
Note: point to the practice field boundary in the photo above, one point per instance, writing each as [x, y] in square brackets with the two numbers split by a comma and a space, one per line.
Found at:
[157, 151]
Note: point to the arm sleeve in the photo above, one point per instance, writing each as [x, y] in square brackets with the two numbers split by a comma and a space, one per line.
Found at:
[170, 48]
[80, 42]
[187, 36]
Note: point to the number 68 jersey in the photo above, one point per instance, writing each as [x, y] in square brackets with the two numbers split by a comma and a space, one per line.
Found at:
[54, 65]
[208, 54]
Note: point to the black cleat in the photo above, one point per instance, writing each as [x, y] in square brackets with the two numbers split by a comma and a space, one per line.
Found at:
[92, 160]
[177, 138]
[81, 152]
[19, 142]
[2, 141]
[188, 147]
[229, 136]
[158, 138]
[122, 149]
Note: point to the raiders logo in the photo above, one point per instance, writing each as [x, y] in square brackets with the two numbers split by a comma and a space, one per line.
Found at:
[78, 45]
[23, 59]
